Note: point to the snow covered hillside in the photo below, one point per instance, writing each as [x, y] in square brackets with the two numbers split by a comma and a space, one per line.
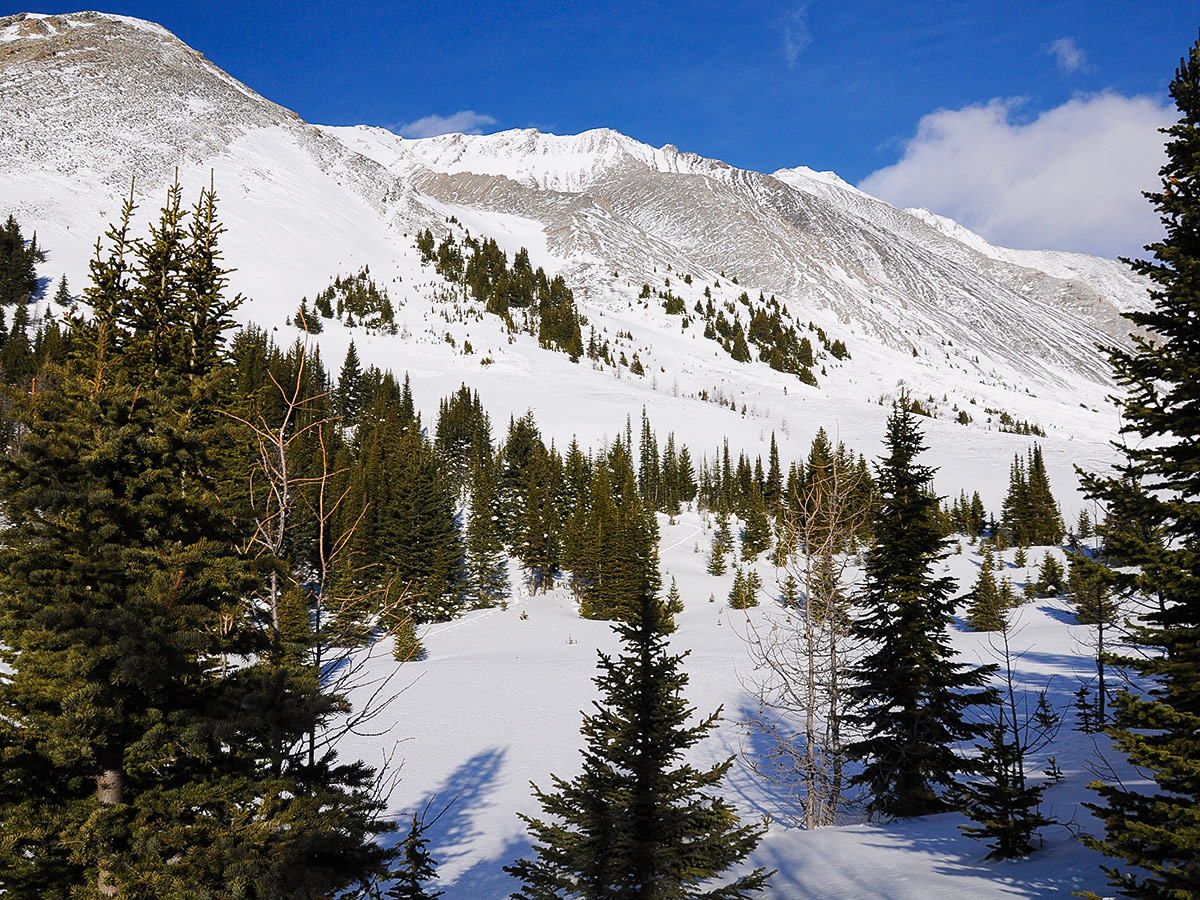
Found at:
[980, 335]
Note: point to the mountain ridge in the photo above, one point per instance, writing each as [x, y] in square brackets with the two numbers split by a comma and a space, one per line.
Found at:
[922, 304]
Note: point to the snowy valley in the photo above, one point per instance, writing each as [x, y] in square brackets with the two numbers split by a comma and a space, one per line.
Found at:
[999, 347]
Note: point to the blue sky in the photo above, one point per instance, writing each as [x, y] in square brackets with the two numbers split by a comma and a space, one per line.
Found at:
[974, 108]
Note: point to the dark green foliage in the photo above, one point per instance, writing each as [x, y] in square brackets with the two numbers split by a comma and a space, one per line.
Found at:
[354, 300]
[1153, 500]
[17, 364]
[1005, 804]
[481, 267]
[417, 867]
[614, 554]
[769, 337]
[418, 533]
[968, 516]
[348, 397]
[985, 611]
[910, 697]
[638, 822]
[62, 296]
[136, 757]
[1050, 579]
[19, 260]
[756, 535]
[744, 592]
[1092, 585]
[1030, 513]
[463, 434]
[486, 562]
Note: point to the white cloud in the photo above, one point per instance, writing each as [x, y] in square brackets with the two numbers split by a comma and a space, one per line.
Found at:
[1067, 53]
[1069, 179]
[796, 36]
[465, 121]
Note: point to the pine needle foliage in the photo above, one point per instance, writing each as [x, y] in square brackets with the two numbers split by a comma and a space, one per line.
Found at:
[638, 823]
[1156, 831]
[911, 697]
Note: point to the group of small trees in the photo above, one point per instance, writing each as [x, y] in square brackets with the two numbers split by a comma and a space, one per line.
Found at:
[481, 268]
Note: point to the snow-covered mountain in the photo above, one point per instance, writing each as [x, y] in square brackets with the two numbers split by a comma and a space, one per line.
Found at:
[90, 101]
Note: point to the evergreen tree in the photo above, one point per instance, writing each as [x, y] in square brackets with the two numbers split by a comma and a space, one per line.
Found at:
[911, 696]
[416, 867]
[16, 357]
[756, 535]
[984, 609]
[349, 387]
[486, 561]
[147, 765]
[1005, 804]
[1050, 576]
[1157, 831]
[62, 296]
[638, 822]
[737, 592]
[18, 264]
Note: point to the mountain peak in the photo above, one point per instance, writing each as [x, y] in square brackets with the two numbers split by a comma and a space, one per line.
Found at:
[35, 26]
[129, 94]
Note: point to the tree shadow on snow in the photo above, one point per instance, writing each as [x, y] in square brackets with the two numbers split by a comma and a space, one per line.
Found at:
[1065, 616]
[453, 829]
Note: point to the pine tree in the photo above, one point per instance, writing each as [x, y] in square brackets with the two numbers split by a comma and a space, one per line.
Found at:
[984, 610]
[416, 867]
[147, 765]
[911, 696]
[638, 822]
[1157, 831]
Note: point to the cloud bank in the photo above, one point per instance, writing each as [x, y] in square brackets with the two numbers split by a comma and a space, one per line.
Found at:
[465, 121]
[1069, 179]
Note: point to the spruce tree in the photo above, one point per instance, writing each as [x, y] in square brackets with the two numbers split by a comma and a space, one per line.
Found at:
[18, 264]
[416, 867]
[486, 562]
[910, 697]
[1156, 830]
[349, 387]
[148, 763]
[639, 823]
[984, 609]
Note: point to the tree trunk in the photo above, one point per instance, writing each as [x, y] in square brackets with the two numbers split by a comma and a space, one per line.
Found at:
[110, 791]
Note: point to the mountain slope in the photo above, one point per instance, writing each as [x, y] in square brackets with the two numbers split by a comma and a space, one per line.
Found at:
[88, 101]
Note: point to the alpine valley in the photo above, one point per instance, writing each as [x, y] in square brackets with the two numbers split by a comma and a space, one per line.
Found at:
[672, 259]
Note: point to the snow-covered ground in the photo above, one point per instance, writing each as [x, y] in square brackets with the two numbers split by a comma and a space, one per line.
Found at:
[497, 704]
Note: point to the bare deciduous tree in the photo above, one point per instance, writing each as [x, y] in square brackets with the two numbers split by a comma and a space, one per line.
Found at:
[800, 652]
